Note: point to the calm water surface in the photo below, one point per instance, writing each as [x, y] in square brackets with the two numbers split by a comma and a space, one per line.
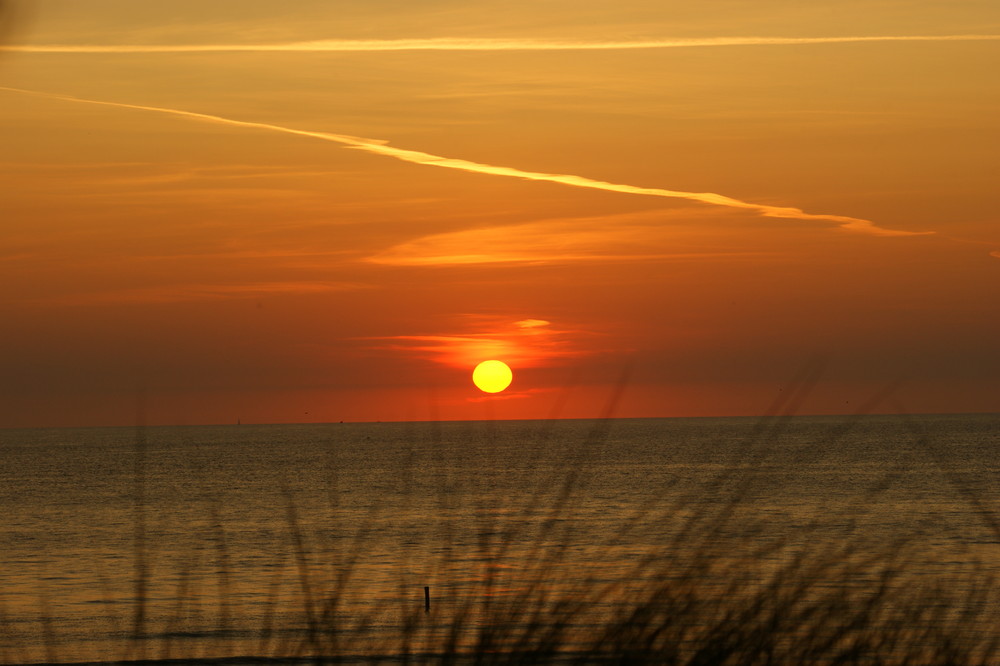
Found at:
[228, 532]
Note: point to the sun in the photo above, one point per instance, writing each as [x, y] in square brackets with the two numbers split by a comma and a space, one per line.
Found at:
[492, 376]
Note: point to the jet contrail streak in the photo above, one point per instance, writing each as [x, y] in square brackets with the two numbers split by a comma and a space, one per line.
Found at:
[479, 44]
[380, 147]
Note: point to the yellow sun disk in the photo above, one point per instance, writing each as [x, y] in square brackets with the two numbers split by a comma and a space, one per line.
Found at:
[492, 376]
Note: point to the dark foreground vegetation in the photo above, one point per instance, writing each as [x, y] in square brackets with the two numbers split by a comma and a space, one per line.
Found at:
[717, 589]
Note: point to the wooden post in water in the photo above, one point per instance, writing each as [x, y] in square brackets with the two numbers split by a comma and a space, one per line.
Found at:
[427, 599]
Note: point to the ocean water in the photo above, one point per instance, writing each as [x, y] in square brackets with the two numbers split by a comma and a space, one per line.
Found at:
[184, 542]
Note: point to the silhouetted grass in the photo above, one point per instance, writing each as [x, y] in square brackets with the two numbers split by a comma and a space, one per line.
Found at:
[717, 589]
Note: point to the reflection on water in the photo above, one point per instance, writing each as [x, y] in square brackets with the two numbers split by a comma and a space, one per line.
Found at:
[259, 539]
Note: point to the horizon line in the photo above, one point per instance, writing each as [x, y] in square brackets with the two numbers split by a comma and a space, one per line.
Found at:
[902, 414]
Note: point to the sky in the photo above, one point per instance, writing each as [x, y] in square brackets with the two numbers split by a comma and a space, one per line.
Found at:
[324, 211]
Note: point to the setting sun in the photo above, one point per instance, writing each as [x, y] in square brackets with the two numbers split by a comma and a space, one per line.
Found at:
[492, 376]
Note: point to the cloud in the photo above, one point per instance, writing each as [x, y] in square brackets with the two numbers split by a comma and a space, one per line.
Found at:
[532, 323]
[380, 147]
[477, 44]
[199, 292]
[521, 344]
[630, 237]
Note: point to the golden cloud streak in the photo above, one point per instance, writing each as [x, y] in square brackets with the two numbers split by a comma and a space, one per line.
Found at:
[478, 44]
[532, 323]
[631, 237]
[380, 147]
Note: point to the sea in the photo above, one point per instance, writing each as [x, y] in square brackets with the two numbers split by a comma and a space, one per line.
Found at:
[375, 540]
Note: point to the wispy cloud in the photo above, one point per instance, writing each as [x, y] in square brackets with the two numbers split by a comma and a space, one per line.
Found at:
[182, 293]
[649, 235]
[479, 44]
[380, 147]
[522, 344]
[532, 323]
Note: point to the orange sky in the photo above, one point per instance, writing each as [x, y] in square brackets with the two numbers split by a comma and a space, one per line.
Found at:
[333, 211]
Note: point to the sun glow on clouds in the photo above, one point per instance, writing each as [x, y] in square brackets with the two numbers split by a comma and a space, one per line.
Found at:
[645, 236]
[526, 343]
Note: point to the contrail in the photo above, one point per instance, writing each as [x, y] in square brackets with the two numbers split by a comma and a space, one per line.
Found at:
[480, 44]
[380, 147]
